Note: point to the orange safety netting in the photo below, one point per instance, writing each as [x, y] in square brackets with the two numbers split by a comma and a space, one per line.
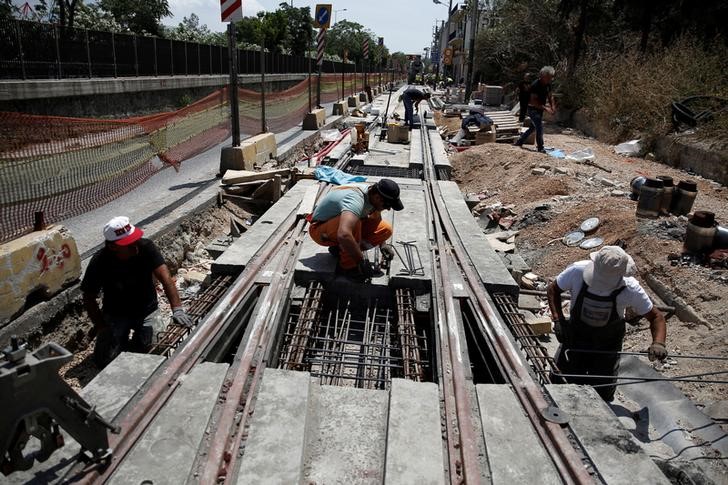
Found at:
[67, 166]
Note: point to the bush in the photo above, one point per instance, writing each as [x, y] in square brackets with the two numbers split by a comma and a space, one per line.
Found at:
[628, 94]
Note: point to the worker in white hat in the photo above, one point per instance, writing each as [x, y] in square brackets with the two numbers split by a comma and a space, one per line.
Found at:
[601, 289]
[124, 270]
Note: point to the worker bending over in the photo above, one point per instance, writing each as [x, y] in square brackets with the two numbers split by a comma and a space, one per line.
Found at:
[411, 99]
[349, 217]
[601, 290]
[124, 270]
[541, 100]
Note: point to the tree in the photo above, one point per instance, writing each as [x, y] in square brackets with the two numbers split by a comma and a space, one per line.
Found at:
[138, 16]
[6, 10]
[93, 17]
[350, 36]
[190, 30]
[266, 28]
[299, 35]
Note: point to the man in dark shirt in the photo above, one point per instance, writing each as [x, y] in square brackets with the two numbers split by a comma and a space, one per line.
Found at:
[124, 270]
[541, 100]
[411, 99]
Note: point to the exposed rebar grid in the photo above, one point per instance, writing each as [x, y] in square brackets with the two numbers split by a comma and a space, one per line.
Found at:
[170, 338]
[346, 345]
[541, 362]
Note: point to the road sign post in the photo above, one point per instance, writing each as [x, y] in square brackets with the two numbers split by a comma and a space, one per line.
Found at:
[322, 20]
[233, 64]
[231, 157]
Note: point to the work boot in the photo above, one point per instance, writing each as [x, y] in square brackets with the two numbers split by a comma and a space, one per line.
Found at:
[335, 251]
[518, 144]
[541, 150]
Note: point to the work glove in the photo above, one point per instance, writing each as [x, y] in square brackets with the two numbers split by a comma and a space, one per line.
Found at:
[366, 269]
[180, 317]
[387, 252]
[657, 351]
[561, 329]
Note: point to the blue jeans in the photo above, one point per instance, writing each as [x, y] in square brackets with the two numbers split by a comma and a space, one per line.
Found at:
[536, 116]
[408, 109]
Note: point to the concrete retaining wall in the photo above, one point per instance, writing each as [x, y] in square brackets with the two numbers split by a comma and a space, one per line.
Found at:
[121, 97]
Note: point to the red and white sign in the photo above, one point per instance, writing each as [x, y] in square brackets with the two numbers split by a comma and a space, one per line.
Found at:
[231, 10]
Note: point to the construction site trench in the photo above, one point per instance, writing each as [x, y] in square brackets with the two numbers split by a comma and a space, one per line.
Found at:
[441, 370]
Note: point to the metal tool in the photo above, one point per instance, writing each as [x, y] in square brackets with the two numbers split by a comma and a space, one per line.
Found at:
[645, 354]
[383, 131]
[412, 262]
[37, 402]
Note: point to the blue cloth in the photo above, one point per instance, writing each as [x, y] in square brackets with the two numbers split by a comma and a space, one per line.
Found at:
[555, 152]
[335, 176]
[536, 116]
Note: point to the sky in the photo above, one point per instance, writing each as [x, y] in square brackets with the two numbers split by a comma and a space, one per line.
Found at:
[406, 25]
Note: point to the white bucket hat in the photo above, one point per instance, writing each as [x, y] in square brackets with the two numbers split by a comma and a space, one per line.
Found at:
[607, 269]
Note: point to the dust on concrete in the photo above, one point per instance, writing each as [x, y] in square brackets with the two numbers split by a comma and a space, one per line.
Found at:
[549, 206]
[184, 253]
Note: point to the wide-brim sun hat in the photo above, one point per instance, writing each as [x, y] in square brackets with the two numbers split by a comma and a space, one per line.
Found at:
[607, 269]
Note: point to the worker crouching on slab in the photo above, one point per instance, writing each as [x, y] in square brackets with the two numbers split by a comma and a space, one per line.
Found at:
[349, 218]
[411, 99]
[601, 290]
[124, 270]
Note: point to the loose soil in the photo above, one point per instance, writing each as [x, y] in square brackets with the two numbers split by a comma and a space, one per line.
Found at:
[183, 250]
[551, 205]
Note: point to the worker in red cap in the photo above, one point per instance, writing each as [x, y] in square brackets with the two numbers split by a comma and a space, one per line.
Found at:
[349, 218]
[601, 288]
[124, 270]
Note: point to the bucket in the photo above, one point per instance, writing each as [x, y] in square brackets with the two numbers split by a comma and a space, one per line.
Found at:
[667, 194]
[721, 238]
[650, 199]
[683, 197]
[636, 185]
[700, 232]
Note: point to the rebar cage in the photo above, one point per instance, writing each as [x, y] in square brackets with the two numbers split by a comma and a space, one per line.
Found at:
[356, 341]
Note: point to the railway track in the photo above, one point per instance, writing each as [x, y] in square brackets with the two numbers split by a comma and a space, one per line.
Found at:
[266, 319]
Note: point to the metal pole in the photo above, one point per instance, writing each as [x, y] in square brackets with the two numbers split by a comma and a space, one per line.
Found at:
[343, 92]
[310, 101]
[171, 57]
[88, 53]
[136, 56]
[199, 61]
[20, 48]
[156, 66]
[263, 127]
[234, 108]
[471, 54]
[59, 71]
[113, 52]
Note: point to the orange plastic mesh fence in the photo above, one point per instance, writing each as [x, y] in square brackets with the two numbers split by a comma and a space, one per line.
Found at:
[68, 166]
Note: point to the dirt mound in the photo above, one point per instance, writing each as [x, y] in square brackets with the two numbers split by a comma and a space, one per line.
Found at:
[551, 204]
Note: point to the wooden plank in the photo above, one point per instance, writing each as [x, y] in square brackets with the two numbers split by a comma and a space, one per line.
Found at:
[237, 176]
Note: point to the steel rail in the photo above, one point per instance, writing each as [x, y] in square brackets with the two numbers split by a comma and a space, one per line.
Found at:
[136, 421]
[464, 462]
[226, 437]
[567, 462]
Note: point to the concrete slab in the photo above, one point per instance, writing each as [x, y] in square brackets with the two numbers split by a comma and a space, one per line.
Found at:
[439, 153]
[314, 262]
[514, 451]
[109, 391]
[385, 154]
[410, 224]
[166, 452]
[493, 273]
[274, 449]
[416, 159]
[616, 454]
[240, 252]
[414, 436]
[336, 414]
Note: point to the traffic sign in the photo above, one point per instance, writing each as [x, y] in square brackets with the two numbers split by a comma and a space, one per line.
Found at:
[231, 10]
[366, 49]
[322, 17]
[381, 41]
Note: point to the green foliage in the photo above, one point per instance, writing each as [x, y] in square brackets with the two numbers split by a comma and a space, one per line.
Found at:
[6, 9]
[93, 17]
[138, 16]
[190, 30]
[299, 30]
[350, 36]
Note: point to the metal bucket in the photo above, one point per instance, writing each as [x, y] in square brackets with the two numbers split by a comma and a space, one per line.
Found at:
[700, 232]
[650, 199]
[721, 238]
[667, 194]
[684, 197]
